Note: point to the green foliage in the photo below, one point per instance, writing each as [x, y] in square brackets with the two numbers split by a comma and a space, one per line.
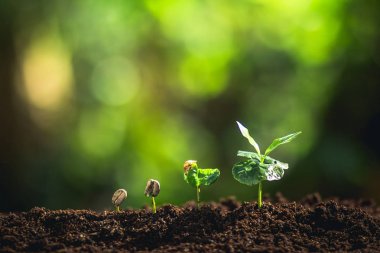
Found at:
[279, 141]
[260, 167]
[247, 154]
[197, 177]
[252, 171]
[244, 131]
[249, 172]
[122, 87]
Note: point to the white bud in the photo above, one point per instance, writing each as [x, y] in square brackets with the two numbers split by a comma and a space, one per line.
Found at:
[152, 188]
[119, 196]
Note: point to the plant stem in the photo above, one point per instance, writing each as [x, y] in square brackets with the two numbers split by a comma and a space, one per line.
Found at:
[198, 198]
[117, 208]
[154, 205]
[260, 202]
[259, 197]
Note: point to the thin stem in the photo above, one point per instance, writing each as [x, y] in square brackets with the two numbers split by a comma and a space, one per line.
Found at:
[260, 202]
[117, 208]
[198, 198]
[259, 197]
[154, 205]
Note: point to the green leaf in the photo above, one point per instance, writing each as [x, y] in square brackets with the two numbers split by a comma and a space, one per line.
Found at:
[248, 154]
[208, 176]
[274, 173]
[274, 169]
[279, 141]
[249, 172]
[270, 169]
[192, 177]
[268, 160]
[197, 177]
[244, 131]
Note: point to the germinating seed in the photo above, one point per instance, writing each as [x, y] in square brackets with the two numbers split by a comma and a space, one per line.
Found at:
[119, 196]
[152, 188]
[187, 165]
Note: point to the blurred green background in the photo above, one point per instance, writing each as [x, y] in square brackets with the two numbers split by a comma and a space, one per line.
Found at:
[101, 95]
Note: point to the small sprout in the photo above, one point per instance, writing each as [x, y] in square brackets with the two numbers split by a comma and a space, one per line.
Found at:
[196, 177]
[188, 165]
[152, 190]
[118, 197]
[259, 167]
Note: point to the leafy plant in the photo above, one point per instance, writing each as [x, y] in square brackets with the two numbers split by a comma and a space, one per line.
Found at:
[152, 190]
[198, 177]
[259, 167]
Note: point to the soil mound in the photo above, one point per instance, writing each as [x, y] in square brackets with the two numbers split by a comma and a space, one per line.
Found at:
[226, 226]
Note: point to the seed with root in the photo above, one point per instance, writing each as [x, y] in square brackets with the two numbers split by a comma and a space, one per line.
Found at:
[118, 197]
[152, 188]
[188, 165]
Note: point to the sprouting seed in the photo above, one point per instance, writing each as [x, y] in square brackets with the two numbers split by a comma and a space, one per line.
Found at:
[152, 190]
[198, 177]
[188, 165]
[118, 197]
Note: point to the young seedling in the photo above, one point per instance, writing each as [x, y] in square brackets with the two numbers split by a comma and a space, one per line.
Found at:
[259, 167]
[118, 197]
[197, 177]
[152, 190]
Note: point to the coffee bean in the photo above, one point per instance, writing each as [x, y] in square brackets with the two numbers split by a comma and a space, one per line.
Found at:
[152, 188]
[119, 196]
[187, 165]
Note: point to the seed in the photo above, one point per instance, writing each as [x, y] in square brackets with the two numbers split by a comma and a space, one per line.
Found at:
[119, 197]
[187, 166]
[152, 188]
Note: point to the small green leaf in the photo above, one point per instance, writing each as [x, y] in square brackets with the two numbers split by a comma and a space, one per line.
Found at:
[208, 176]
[197, 177]
[244, 131]
[248, 154]
[249, 172]
[279, 141]
[192, 177]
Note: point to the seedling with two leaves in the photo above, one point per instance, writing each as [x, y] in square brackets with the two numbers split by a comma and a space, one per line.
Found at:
[260, 167]
[198, 177]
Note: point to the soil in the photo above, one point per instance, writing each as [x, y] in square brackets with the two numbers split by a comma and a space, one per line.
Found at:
[227, 226]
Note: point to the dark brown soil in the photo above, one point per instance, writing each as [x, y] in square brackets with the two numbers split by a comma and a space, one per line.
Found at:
[227, 226]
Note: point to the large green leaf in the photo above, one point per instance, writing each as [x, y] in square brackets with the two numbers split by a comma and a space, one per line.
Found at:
[208, 176]
[197, 177]
[279, 141]
[192, 177]
[270, 169]
[244, 131]
[249, 172]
